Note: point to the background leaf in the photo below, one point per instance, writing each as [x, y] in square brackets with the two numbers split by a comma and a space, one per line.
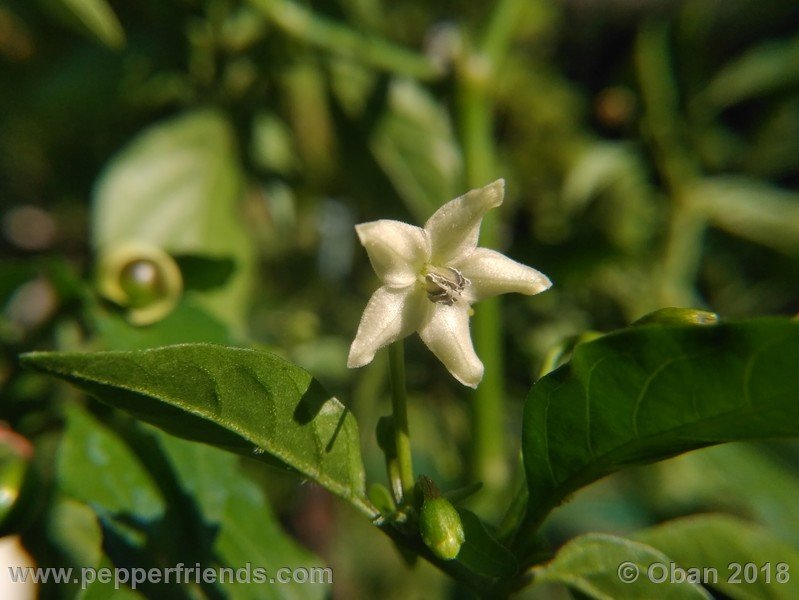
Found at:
[214, 515]
[414, 144]
[96, 467]
[99, 19]
[750, 209]
[178, 186]
[244, 529]
[649, 392]
[716, 541]
[185, 324]
[250, 402]
[740, 478]
[761, 70]
[591, 565]
[481, 552]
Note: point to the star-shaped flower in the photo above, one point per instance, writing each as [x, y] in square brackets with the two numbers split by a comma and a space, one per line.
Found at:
[431, 276]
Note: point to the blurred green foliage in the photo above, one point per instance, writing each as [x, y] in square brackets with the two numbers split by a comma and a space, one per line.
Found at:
[651, 152]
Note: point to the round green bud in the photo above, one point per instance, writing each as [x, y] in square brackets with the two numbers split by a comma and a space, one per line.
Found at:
[441, 528]
[140, 278]
[143, 282]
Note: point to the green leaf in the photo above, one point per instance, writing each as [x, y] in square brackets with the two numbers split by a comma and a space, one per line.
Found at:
[750, 209]
[99, 19]
[481, 552]
[739, 478]
[96, 467]
[178, 186]
[764, 69]
[596, 564]
[614, 174]
[187, 323]
[250, 402]
[74, 531]
[649, 392]
[73, 528]
[246, 530]
[204, 473]
[249, 534]
[719, 542]
[97, 590]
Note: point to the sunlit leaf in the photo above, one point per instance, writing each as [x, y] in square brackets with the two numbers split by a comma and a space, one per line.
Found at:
[242, 400]
[653, 391]
[98, 17]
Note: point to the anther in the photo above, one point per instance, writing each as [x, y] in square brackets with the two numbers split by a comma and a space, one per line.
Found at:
[445, 289]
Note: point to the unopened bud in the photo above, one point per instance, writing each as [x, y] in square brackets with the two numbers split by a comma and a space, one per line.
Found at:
[439, 523]
[679, 316]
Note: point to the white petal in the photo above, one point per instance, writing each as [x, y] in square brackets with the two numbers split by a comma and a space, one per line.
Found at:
[396, 250]
[446, 332]
[492, 273]
[455, 227]
[390, 315]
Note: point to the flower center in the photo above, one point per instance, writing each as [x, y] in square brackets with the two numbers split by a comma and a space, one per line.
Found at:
[444, 285]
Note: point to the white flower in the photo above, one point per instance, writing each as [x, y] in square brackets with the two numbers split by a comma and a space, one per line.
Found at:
[431, 276]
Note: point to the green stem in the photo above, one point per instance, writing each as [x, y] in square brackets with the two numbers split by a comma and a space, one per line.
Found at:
[678, 167]
[505, 19]
[399, 406]
[475, 75]
[476, 131]
[681, 257]
[325, 33]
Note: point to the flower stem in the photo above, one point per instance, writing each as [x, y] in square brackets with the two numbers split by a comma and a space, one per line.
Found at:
[298, 21]
[678, 167]
[399, 407]
[476, 123]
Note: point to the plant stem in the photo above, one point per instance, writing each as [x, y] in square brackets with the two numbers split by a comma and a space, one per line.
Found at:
[475, 73]
[504, 20]
[326, 33]
[399, 407]
[665, 126]
[488, 450]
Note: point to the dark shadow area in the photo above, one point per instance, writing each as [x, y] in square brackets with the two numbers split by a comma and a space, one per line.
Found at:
[311, 403]
[204, 272]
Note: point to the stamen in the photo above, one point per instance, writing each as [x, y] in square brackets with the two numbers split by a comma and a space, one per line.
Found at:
[445, 286]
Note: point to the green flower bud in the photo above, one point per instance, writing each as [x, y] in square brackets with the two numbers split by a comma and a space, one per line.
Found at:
[143, 282]
[441, 528]
[679, 316]
[439, 522]
[143, 279]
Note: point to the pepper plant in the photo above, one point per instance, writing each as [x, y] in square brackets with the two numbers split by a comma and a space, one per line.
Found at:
[217, 156]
